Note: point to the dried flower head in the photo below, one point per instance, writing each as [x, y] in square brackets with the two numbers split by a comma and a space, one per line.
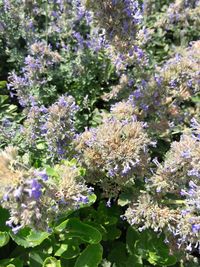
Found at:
[146, 213]
[9, 176]
[117, 150]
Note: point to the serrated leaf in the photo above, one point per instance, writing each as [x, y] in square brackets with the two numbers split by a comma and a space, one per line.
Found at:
[29, 238]
[90, 257]
[76, 228]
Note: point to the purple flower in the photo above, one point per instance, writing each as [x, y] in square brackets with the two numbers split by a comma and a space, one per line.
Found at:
[195, 228]
[158, 80]
[15, 229]
[18, 192]
[192, 185]
[83, 199]
[111, 173]
[193, 172]
[143, 106]
[173, 83]
[186, 154]
[35, 191]
[6, 197]
[126, 169]
[42, 174]
[108, 203]
[137, 93]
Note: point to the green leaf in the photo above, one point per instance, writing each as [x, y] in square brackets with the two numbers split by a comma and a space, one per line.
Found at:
[12, 108]
[132, 237]
[4, 238]
[153, 248]
[76, 228]
[118, 254]
[2, 84]
[4, 216]
[112, 232]
[100, 228]
[51, 172]
[162, 258]
[90, 257]
[29, 238]
[134, 260]
[67, 250]
[36, 258]
[125, 197]
[196, 99]
[3, 99]
[107, 216]
[51, 262]
[11, 262]
[21, 237]
[40, 146]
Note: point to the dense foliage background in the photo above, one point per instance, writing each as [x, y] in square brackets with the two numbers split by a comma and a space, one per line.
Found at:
[99, 133]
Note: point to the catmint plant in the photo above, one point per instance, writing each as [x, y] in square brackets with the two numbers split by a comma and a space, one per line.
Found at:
[36, 199]
[114, 153]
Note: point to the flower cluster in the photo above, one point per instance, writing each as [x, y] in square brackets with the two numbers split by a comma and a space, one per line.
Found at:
[181, 226]
[173, 207]
[35, 74]
[182, 14]
[151, 7]
[116, 150]
[181, 165]
[35, 199]
[148, 214]
[120, 20]
[53, 125]
[159, 97]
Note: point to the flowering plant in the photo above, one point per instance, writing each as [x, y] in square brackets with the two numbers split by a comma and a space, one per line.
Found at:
[99, 133]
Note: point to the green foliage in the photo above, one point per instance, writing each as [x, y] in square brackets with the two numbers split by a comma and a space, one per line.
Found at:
[75, 228]
[90, 257]
[29, 238]
[4, 238]
[148, 246]
[51, 262]
[15, 262]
